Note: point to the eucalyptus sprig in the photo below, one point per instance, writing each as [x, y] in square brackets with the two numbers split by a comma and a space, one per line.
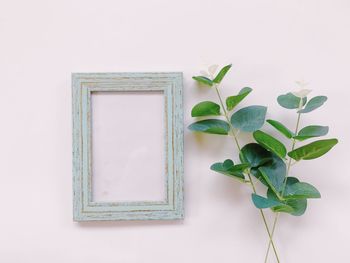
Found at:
[267, 159]
[294, 194]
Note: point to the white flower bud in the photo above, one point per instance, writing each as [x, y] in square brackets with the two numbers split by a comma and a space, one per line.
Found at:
[212, 69]
[302, 93]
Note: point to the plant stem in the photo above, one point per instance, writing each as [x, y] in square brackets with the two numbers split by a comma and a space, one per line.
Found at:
[227, 118]
[249, 175]
[285, 182]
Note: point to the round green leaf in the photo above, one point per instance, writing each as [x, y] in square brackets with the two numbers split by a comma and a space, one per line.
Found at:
[292, 180]
[284, 208]
[222, 167]
[257, 174]
[313, 150]
[203, 80]
[270, 143]
[290, 101]
[298, 205]
[227, 164]
[240, 168]
[274, 173]
[233, 101]
[301, 190]
[211, 126]
[222, 74]
[313, 104]
[262, 202]
[249, 119]
[294, 207]
[228, 168]
[254, 154]
[311, 131]
[258, 158]
[281, 128]
[205, 108]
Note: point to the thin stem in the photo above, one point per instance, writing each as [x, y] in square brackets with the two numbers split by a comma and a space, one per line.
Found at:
[249, 175]
[285, 182]
[265, 223]
[272, 233]
[227, 118]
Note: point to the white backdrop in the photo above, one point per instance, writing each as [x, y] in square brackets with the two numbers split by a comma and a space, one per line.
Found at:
[270, 43]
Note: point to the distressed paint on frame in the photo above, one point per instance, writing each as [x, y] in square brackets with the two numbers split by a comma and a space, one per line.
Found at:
[84, 209]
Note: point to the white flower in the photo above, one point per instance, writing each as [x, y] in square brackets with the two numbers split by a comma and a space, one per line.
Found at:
[302, 93]
[210, 72]
[212, 69]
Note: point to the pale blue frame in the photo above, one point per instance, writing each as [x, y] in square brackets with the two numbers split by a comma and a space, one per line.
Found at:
[82, 86]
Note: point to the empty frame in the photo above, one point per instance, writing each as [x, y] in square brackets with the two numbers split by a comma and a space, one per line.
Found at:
[127, 146]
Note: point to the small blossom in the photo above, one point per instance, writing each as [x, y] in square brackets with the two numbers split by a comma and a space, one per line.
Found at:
[210, 72]
[212, 69]
[302, 93]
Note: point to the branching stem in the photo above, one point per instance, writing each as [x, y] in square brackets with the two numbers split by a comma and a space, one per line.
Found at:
[271, 243]
[285, 181]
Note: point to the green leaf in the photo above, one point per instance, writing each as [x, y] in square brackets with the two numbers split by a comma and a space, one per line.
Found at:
[294, 207]
[257, 174]
[270, 143]
[281, 128]
[205, 108]
[233, 101]
[313, 104]
[290, 101]
[254, 154]
[267, 167]
[313, 150]
[240, 167]
[211, 126]
[222, 167]
[301, 190]
[203, 80]
[238, 170]
[262, 202]
[292, 180]
[227, 164]
[274, 173]
[222, 74]
[228, 168]
[311, 131]
[284, 208]
[298, 205]
[249, 119]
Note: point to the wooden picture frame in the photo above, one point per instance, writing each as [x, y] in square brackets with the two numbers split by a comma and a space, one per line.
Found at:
[83, 85]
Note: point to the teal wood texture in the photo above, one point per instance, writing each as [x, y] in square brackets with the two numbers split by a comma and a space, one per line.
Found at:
[85, 209]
